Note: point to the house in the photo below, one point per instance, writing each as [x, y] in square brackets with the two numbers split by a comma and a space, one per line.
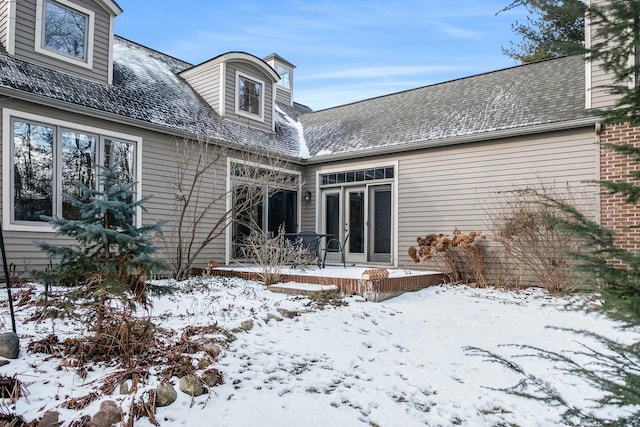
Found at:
[384, 170]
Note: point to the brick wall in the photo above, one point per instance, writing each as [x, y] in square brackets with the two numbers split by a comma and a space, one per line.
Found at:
[617, 215]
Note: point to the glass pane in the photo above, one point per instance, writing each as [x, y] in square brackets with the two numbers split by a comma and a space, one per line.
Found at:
[32, 171]
[121, 154]
[78, 166]
[249, 95]
[247, 216]
[65, 30]
[356, 222]
[283, 210]
[332, 215]
[382, 221]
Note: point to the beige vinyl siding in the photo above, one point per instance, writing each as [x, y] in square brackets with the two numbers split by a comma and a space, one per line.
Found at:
[25, 41]
[230, 93]
[283, 96]
[596, 78]
[459, 186]
[205, 79]
[158, 162]
[599, 95]
[308, 214]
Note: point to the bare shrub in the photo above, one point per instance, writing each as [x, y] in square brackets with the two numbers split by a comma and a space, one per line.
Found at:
[274, 253]
[528, 231]
[459, 255]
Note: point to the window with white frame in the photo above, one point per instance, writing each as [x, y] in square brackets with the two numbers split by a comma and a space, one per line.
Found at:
[250, 97]
[48, 163]
[285, 76]
[65, 30]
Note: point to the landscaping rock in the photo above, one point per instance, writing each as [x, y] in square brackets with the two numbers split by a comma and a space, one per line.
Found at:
[212, 377]
[165, 395]
[108, 415]
[50, 419]
[271, 316]
[191, 385]
[211, 348]
[9, 345]
[247, 325]
[288, 314]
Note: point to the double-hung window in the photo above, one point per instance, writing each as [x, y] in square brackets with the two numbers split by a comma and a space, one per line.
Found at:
[249, 97]
[65, 30]
[46, 162]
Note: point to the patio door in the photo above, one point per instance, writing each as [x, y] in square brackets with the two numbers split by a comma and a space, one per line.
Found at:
[365, 213]
[355, 224]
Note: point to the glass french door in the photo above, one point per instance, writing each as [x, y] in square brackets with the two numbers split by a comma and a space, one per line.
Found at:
[365, 214]
[355, 224]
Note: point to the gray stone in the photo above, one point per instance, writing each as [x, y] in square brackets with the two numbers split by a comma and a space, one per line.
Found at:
[9, 345]
[108, 415]
[204, 363]
[165, 395]
[211, 348]
[4, 362]
[191, 385]
[212, 377]
[288, 314]
[247, 325]
[50, 419]
[271, 316]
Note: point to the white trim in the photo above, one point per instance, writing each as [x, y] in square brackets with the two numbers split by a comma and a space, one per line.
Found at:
[222, 89]
[111, 41]
[273, 107]
[39, 45]
[11, 27]
[7, 115]
[588, 64]
[239, 112]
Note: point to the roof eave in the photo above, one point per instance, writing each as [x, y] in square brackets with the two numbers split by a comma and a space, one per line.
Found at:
[464, 139]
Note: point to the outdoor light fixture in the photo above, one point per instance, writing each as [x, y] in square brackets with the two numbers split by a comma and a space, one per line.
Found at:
[307, 196]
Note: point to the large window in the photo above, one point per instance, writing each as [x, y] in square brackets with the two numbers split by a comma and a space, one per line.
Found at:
[48, 163]
[263, 199]
[250, 97]
[64, 30]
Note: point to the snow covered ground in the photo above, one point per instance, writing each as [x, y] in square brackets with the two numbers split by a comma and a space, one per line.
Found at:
[397, 363]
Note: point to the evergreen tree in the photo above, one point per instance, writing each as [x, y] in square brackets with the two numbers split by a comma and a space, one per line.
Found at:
[553, 28]
[111, 257]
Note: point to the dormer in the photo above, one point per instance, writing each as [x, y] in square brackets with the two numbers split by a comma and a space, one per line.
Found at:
[238, 86]
[284, 87]
[72, 36]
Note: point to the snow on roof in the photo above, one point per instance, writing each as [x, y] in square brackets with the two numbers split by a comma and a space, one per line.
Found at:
[540, 93]
[146, 88]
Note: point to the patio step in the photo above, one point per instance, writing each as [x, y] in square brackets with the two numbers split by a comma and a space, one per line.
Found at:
[372, 288]
[306, 289]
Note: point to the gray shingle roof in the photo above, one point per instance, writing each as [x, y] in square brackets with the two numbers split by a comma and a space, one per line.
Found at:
[146, 89]
[540, 93]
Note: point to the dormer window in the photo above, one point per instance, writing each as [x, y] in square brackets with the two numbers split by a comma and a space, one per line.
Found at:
[285, 76]
[250, 97]
[65, 30]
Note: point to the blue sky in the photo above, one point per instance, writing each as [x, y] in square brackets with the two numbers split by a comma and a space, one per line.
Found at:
[344, 51]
